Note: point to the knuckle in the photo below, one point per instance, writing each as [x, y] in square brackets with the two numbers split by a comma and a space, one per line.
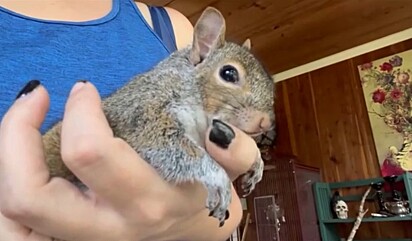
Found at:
[119, 144]
[155, 213]
[82, 153]
[15, 207]
[156, 216]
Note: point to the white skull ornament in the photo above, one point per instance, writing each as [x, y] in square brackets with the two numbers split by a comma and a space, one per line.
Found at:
[341, 209]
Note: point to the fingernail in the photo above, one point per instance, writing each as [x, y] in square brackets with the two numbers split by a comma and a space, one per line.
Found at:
[221, 224]
[227, 215]
[211, 213]
[221, 134]
[79, 84]
[29, 87]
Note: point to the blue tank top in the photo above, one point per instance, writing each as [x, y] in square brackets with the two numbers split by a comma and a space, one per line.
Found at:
[107, 51]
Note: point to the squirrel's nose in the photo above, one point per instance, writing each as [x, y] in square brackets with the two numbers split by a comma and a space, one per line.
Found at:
[266, 122]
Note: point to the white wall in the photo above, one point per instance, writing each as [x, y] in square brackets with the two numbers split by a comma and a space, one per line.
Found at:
[347, 54]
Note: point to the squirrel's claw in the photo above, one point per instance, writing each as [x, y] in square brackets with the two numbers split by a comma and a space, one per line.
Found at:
[253, 176]
[219, 195]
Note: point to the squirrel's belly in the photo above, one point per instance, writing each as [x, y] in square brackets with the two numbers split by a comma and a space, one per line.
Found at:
[194, 121]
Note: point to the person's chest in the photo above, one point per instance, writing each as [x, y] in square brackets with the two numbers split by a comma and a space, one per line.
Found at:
[60, 55]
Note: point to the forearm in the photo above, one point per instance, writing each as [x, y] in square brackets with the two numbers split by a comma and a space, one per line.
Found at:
[202, 227]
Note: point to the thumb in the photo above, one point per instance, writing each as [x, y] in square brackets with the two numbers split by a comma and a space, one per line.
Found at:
[234, 150]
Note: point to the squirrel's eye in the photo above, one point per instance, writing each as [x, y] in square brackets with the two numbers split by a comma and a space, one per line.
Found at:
[229, 73]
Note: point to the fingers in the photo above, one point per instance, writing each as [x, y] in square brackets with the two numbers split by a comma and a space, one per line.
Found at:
[25, 191]
[97, 158]
[232, 148]
[22, 164]
[10, 230]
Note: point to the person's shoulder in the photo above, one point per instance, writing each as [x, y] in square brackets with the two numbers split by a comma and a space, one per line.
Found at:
[182, 27]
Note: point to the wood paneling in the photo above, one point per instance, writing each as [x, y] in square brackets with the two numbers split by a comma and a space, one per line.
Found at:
[282, 120]
[286, 34]
[328, 127]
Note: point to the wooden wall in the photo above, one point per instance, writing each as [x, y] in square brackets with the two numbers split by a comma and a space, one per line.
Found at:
[322, 120]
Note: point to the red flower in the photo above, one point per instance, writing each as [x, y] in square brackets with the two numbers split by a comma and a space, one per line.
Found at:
[396, 94]
[386, 67]
[378, 96]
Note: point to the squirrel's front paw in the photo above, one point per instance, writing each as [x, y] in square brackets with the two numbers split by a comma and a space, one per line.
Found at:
[253, 176]
[219, 190]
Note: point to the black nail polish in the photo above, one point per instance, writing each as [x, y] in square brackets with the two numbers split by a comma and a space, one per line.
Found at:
[221, 224]
[29, 87]
[221, 134]
[227, 215]
[83, 81]
[211, 213]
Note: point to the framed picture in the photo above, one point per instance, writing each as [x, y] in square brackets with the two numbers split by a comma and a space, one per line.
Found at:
[387, 88]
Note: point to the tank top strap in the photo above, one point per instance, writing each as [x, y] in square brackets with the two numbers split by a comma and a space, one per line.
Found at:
[163, 27]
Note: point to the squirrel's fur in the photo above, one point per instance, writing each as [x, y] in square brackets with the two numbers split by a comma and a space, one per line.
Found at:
[164, 113]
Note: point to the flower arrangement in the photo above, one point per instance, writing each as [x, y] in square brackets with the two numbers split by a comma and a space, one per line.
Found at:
[393, 92]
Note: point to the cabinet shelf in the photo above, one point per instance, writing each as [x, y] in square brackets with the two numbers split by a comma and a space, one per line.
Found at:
[369, 220]
[323, 193]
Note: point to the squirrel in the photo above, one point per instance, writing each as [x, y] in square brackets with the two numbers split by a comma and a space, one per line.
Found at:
[164, 113]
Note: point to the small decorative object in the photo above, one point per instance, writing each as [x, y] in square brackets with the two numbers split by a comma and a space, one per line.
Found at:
[391, 180]
[397, 206]
[340, 208]
[383, 211]
[274, 214]
[361, 214]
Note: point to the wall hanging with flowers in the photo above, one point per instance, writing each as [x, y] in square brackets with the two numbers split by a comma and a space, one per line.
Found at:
[387, 88]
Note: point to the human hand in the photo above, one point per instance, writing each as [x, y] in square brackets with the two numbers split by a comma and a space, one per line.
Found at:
[11, 230]
[144, 207]
[235, 151]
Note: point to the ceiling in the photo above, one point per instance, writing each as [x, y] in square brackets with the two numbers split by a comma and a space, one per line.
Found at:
[289, 33]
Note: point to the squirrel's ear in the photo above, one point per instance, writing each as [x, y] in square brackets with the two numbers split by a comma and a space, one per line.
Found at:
[209, 34]
[247, 44]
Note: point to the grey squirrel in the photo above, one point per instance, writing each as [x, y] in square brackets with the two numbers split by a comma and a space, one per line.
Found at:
[164, 113]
